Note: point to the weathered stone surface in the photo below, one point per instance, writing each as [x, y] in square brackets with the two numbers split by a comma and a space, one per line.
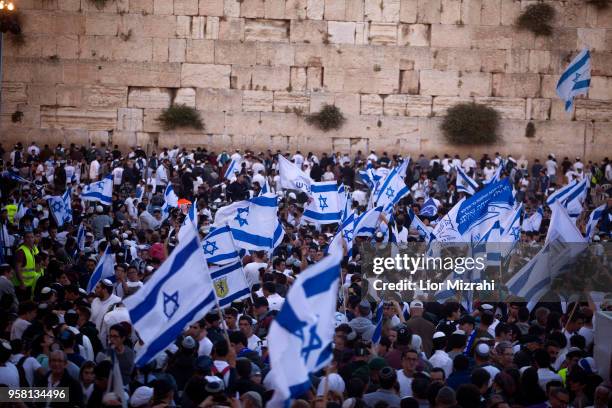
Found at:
[231, 29]
[451, 12]
[335, 10]
[205, 75]
[96, 96]
[508, 108]
[130, 119]
[176, 49]
[138, 6]
[218, 100]
[163, 7]
[451, 36]
[516, 85]
[435, 83]
[198, 28]
[314, 78]
[298, 79]
[271, 78]
[186, 7]
[257, 101]
[441, 104]
[153, 98]
[383, 33]
[150, 122]
[234, 52]
[395, 105]
[475, 84]
[185, 96]
[371, 104]
[419, 105]
[493, 37]
[200, 51]
[291, 102]
[266, 30]
[212, 28]
[538, 109]
[314, 9]
[308, 31]
[416, 35]
[593, 110]
[14, 93]
[75, 118]
[341, 32]
[241, 77]
[428, 11]
[409, 82]
[209, 7]
[408, 11]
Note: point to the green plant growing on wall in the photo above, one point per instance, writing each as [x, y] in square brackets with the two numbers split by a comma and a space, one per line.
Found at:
[537, 18]
[600, 4]
[177, 116]
[328, 118]
[471, 124]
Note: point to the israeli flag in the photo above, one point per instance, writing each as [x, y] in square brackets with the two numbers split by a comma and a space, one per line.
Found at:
[324, 207]
[575, 199]
[416, 223]
[16, 177]
[226, 213]
[369, 176]
[533, 223]
[219, 246]
[61, 208]
[80, 237]
[229, 282]
[140, 190]
[560, 249]
[292, 177]
[511, 230]
[576, 79]
[471, 218]
[376, 336]
[234, 167]
[346, 232]
[300, 337]
[429, 209]
[594, 220]
[104, 269]
[489, 246]
[496, 176]
[178, 293]
[255, 225]
[22, 210]
[190, 221]
[562, 193]
[367, 223]
[392, 188]
[464, 183]
[100, 191]
[170, 201]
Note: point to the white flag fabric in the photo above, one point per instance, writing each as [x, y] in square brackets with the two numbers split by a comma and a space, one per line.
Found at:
[255, 225]
[61, 208]
[292, 177]
[471, 218]
[392, 188]
[80, 238]
[576, 79]
[416, 223]
[300, 337]
[325, 205]
[496, 176]
[226, 213]
[100, 191]
[219, 246]
[367, 223]
[533, 222]
[345, 232]
[104, 269]
[170, 201]
[575, 199]
[593, 220]
[190, 221]
[229, 282]
[464, 183]
[233, 168]
[179, 292]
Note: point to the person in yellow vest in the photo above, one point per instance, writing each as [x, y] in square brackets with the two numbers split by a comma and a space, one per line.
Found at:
[26, 272]
[11, 209]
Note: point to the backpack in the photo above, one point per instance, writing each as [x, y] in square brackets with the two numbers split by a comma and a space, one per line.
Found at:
[220, 374]
[23, 381]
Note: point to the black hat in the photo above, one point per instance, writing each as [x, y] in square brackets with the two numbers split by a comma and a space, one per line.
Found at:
[467, 319]
[387, 373]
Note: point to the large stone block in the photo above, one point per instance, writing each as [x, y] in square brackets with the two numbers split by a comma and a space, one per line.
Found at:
[439, 83]
[475, 84]
[96, 96]
[176, 49]
[384, 81]
[416, 58]
[231, 8]
[354, 10]
[516, 85]
[150, 25]
[232, 29]
[408, 11]
[383, 33]
[274, 54]
[130, 119]
[470, 11]
[186, 7]
[76, 118]
[210, 7]
[163, 7]
[205, 75]
[395, 105]
[441, 104]
[101, 24]
[139, 6]
[242, 77]
[508, 108]
[212, 28]
[315, 9]
[592, 38]
[540, 62]
[409, 82]
[233, 52]
[417, 35]
[296, 9]
[308, 31]
[319, 99]
[451, 36]
[348, 103]
[291, 102]
[298, 79]
[219, 100]
[419, 106]
[341, 32]
[538, 109]
[493, 37]
[335, 10]
[252, 8]
[510, 10]
[371, 104]
[593, 110]
[271, 78]
[458, 59]
[451, 12]
[41, 94]
[601, 88]
[490, 13]
[200, 51]
[14, 93]
[274, 9]
[428, 11]
[391, 10]
[266, 30]
[198, 28]
[314, 78]
[183, 27]
[517, 61]
[160, 49]
[152, 98]
[185, 96]
[373, 10]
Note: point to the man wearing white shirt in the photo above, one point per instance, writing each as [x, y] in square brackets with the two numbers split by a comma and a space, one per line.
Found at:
[161, 176]
[236, 155]
[251, 270]
[103, 302]
[405, 376]
[198, 331]
[33, 150]
[298, 159]
[551, 168]
[373, 157]
[545, 374]
[94, 170]
[488, 171]
[469, 164]
[578, 165]
[275, 301]
[440, 358]
[245, 325]
[117, 175]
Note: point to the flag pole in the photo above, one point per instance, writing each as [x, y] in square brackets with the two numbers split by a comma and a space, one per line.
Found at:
[576, 303]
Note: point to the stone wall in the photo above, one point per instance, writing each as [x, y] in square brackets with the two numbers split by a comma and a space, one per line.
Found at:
[254, 68]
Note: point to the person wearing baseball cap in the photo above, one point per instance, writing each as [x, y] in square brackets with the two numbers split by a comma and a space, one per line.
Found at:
[421, 326]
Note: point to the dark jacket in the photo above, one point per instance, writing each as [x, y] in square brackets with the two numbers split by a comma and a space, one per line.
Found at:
[74, 390]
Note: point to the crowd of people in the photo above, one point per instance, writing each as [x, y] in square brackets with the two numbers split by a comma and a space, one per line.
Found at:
[54, 333]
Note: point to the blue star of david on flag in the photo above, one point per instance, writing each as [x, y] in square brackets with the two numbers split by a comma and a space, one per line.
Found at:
[390, 192]
[171, 304]
[58, 206]
[242, 220]
[210, 247]
[348, 235]
[323, 202]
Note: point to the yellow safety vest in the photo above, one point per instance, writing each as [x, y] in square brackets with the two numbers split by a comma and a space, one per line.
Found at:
[28, 272]
[11, 210]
